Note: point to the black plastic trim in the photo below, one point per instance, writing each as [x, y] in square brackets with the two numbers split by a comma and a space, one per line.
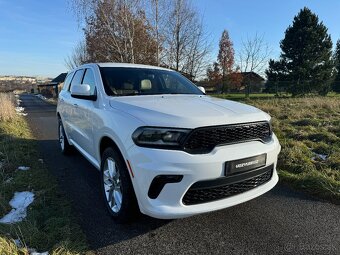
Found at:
[159, 182]
[91, 97]
[205, 151]
[222, 181]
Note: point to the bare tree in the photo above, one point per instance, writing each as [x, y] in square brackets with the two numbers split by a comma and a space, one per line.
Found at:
[253, 57]
[196, 55]
[78, 57]
[82, 9]
[119, 31]
[186, 44]
[254, 54]
[159, 32]
[157, 16]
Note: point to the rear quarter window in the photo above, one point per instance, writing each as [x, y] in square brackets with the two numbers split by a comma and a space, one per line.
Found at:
[67, 81]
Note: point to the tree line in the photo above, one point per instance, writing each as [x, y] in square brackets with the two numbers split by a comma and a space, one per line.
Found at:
[167, 33]
[307, 63]
[171, 33]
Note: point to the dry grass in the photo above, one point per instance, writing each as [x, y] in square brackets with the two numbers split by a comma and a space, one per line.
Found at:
[7, 106]
[8, 247]
[50, 224]
[307, 127]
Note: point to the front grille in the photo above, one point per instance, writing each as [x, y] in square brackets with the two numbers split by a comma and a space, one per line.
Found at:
[204, 140]
[204, 195]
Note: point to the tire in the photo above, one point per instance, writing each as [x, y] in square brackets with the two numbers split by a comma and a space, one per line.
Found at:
[65, 147]
[118, 193]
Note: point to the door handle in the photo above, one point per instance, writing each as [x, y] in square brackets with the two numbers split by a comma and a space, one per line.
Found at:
[75, 105]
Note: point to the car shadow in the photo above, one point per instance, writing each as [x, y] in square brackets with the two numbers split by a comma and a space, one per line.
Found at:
[80, 182]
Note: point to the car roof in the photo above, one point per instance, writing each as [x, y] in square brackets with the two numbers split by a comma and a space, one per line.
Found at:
[125, 65]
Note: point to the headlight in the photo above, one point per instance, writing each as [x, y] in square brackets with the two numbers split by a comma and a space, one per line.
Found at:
[159, 137]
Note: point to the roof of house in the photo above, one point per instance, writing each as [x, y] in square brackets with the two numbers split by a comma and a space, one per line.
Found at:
[253, 75]
[60, 78]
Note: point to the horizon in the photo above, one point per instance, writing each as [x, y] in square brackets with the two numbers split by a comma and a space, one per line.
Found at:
[38, 36]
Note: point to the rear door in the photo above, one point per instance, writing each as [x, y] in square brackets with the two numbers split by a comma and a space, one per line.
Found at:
[64, 95]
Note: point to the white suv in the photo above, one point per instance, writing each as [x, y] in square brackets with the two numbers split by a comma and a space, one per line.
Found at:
[162, 146]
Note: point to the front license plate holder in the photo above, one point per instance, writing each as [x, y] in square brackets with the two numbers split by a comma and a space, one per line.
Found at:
[245, 164]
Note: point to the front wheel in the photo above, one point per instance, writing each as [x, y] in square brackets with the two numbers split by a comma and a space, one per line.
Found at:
[118, 193]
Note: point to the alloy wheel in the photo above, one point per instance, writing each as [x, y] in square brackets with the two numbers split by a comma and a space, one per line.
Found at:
[112, 185]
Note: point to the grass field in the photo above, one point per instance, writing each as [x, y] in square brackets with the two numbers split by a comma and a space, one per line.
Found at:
[242, 96]
[49, 225]
[309, 132]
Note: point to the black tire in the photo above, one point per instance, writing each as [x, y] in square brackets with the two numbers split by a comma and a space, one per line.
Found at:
[65, 148]
[129, 210]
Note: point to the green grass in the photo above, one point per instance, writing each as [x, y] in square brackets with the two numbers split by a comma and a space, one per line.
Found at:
[49, 224]
[306, 126]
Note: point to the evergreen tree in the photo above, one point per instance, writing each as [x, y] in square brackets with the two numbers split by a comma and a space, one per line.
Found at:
[307, 55]
[336, 57]
[276, 77]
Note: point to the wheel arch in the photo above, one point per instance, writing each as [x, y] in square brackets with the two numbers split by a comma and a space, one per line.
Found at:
[106, 142]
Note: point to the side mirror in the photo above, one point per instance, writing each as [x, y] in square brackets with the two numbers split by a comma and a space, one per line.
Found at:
[201, 89]
[83, 91]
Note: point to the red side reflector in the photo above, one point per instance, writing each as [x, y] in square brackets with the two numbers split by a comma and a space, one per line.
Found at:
[130, 169]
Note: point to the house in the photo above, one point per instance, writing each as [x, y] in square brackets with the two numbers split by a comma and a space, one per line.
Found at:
[253, 81]
[235, 83]
[52, 88]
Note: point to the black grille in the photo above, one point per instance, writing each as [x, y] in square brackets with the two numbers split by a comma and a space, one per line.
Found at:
[204, 140]
[204, 195]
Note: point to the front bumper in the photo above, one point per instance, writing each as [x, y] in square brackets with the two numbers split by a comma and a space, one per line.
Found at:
[148, 163]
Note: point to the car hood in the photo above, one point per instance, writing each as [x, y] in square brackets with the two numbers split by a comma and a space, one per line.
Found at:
[186, 111]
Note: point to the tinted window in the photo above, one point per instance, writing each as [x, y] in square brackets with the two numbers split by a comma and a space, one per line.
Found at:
[121, 81]
[77, 77]
[89, 80]
[67, 81]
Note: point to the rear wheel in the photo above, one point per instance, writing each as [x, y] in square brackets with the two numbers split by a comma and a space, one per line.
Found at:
[118, 193]
[65, 147]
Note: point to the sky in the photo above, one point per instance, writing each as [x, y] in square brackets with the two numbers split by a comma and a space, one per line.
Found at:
[36, 36]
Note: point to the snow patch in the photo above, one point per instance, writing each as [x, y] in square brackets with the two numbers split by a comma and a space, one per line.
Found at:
[19, 203]
[34, 252]
[20, 111]
[23, 168]
[41, 97]
[323, 157]
[18, 243]
[31, 251]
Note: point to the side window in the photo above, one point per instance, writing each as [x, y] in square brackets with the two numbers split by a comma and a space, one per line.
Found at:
[67, 81]
[89, 80]
[78, 76]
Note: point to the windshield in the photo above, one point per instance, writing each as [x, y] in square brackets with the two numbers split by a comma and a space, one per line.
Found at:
[122, 81]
